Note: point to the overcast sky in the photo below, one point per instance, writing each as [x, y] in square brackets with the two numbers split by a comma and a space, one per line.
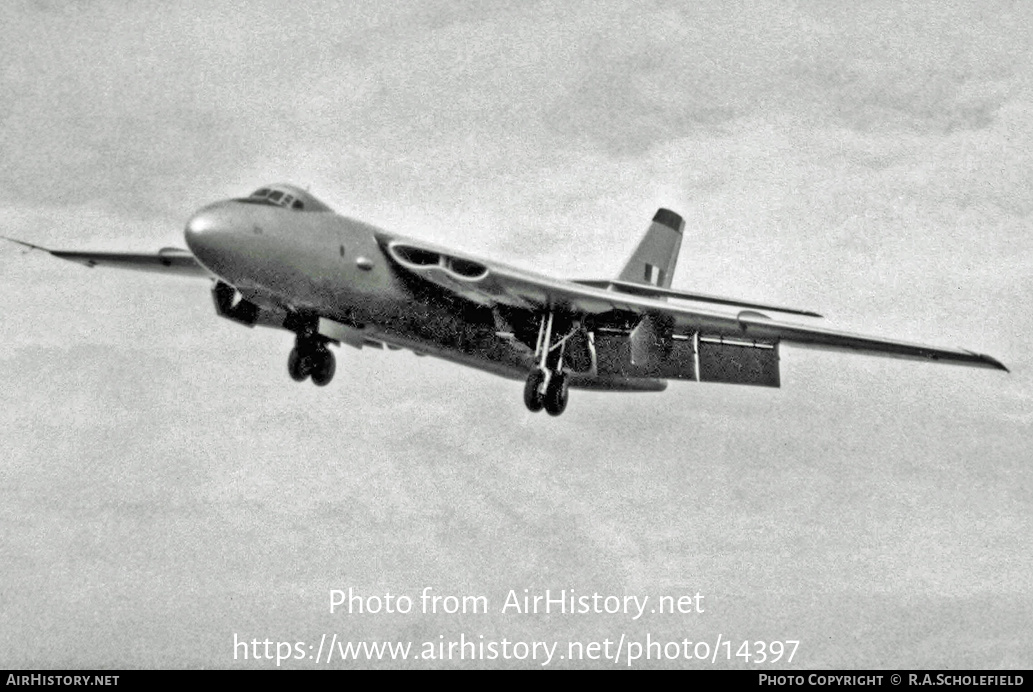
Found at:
[164, 485]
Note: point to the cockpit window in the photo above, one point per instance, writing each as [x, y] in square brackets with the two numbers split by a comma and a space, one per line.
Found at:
[286, 196]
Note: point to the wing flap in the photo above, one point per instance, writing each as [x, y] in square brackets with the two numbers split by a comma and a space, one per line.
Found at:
[725, 361]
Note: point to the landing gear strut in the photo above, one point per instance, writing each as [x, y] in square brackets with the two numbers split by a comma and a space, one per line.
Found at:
[310, 357]
[547, 385]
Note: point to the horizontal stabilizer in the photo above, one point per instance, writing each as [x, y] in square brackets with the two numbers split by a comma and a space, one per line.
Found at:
[657, 292]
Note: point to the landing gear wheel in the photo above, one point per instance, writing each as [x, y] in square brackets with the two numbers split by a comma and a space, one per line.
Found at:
[324, 366]
[556, 395]
[533, 399]
[299, 366]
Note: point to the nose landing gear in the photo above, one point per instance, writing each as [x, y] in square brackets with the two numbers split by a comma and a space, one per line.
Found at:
[311, 357]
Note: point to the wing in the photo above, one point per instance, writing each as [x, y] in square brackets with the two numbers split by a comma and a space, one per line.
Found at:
[166, 261]
[489, 283]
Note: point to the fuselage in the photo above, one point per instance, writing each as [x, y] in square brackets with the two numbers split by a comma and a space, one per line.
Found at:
[322, 264]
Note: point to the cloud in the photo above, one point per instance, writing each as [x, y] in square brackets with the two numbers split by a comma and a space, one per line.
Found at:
[168, 485]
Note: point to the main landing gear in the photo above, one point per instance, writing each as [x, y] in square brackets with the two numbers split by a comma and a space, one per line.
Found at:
[547, 385]
[310, 357]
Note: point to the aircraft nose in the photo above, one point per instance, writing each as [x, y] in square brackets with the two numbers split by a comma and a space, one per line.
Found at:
[205, 222]
[199, 223]
[209, 235]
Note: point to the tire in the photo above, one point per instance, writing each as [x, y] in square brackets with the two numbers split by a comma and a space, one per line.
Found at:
[298, 366]
[325, 365]
[533, 398]
[556, 395]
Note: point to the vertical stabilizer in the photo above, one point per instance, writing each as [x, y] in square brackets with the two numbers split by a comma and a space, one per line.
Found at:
[656, 256]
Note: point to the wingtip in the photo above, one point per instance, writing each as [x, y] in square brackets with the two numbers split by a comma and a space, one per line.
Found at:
[997, 364]
[23, 243]
[991, 361]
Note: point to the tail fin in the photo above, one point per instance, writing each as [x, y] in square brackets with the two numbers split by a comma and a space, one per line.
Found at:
[656, 256]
